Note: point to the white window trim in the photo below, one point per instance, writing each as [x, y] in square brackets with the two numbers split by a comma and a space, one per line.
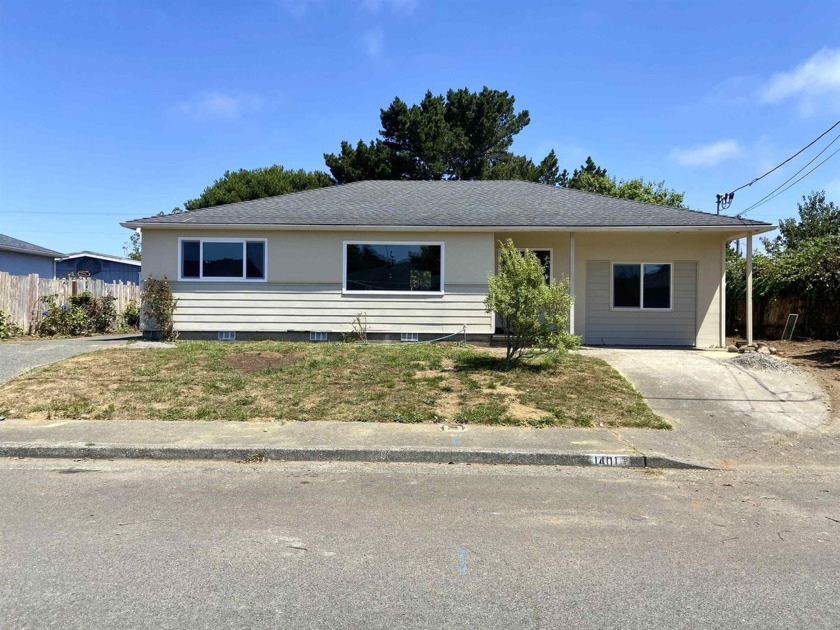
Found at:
[550, 251]
[202, 240]
[641, 306]
[346, 291]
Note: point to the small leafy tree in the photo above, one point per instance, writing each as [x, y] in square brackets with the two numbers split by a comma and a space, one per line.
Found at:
[535, 313]
[133, 247]
[159, 306]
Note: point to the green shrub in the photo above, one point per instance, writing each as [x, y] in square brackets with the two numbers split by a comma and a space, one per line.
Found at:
[535, 313]
[131, 315]
[61, 320]
[159, 307]
[8, 328]
[84, 315]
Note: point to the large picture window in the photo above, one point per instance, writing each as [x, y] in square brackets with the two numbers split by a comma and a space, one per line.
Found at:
[641, 286]
[393, 267]
[223, 259]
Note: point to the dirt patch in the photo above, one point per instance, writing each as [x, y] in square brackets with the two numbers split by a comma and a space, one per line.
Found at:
[427, 374]
[501, 389]
[820, 359]
[516, 409]
[447, 406]
[249, 362]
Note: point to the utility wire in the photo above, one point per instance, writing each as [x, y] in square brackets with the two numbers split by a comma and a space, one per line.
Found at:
[772, 195]
[754, 206]
[777, 167]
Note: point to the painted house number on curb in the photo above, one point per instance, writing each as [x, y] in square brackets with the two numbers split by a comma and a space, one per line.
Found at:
[609, 460]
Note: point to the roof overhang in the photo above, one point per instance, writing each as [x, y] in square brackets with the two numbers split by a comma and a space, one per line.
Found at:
[29, 252]
[741, 230]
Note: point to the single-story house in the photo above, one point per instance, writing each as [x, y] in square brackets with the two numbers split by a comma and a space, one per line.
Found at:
[20, 258]
[414, 256]
[101, 266]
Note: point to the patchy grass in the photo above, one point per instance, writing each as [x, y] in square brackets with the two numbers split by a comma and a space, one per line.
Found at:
[329, 381]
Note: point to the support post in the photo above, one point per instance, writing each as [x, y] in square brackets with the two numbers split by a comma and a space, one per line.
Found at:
[572, 282]
[749, 291]
[723, 293]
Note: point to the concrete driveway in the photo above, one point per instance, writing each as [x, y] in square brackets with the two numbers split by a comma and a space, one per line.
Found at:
[16, 357]
[724, 414]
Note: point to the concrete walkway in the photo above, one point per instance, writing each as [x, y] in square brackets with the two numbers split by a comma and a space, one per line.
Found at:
[725, 415]
[17, 357]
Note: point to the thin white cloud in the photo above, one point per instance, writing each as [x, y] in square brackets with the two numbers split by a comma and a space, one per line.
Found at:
[817, 76]
[710, 154]
[375, 6]
[298, 8]
[373, 41]
[217, 106]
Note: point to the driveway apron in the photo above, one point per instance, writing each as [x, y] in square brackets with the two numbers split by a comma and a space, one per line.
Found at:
[724, 414]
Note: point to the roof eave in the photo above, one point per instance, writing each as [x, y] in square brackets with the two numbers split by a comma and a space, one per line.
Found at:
[21, 250]
[743, 228]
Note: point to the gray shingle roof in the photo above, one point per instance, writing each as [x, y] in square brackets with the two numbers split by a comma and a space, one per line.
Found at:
[446, 204]
[9, 244]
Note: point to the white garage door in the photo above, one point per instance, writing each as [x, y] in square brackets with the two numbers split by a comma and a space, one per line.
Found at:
[635, 326]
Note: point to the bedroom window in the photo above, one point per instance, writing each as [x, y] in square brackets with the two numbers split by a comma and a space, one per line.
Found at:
[222, 259]
[644, 286]
[376, 267]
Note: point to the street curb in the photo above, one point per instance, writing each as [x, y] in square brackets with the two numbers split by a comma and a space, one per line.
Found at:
[387, 455]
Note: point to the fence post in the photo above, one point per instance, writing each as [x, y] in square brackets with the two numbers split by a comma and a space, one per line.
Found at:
[31, 302]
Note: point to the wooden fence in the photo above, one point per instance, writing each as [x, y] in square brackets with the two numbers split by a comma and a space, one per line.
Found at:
[21, 296]
[770, 316]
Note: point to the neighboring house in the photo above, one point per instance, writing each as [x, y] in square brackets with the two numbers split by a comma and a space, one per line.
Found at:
[414, 256]
[20, 258]
[99, 266]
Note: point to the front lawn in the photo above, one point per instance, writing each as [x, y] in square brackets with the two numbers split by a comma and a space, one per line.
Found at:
[328, 381]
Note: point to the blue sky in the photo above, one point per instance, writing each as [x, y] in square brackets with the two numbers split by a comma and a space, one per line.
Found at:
[112, 110]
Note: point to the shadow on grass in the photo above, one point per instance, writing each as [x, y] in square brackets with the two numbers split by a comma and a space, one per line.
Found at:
[486, 362]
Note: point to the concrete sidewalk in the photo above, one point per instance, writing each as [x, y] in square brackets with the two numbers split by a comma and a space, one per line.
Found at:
[301, 441]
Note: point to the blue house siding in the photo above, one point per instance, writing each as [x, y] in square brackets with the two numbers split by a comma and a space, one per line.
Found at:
[20, 264]
[106, 270]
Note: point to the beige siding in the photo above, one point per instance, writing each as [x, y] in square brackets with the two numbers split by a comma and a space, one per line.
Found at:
[702, 247]
[675, 327]
[289, 307]
[303, 291]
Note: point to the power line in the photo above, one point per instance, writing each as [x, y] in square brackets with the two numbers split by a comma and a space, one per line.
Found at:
[777, 167]
[754, 206]
[772, 195]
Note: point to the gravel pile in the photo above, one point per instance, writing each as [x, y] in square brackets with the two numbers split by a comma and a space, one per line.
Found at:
[764, 362]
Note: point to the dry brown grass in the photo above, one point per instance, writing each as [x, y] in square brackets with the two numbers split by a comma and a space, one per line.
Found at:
[302, 381]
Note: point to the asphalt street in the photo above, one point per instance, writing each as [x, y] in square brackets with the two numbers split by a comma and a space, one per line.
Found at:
[137, 544]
